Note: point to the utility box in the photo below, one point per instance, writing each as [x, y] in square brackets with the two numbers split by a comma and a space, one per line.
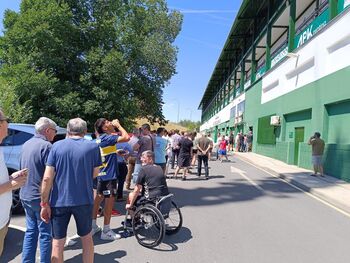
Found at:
[275, 120]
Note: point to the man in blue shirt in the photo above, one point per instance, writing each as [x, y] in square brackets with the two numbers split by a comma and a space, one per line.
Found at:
[68, 181]
[34, 156]
[107, 177]
[160, 149]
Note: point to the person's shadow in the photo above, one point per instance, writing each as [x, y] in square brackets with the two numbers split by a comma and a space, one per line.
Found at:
[13, 245]
[111, 257]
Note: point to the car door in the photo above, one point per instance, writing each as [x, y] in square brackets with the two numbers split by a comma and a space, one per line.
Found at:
[19, 138]
[7, 145]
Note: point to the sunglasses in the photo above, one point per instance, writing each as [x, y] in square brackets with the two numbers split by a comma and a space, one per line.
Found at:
[5, 119]
[53, 129]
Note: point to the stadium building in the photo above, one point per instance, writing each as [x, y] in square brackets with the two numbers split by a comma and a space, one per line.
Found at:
[284, 73]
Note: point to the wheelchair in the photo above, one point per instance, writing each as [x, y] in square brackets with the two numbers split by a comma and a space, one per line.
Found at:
[152, 220]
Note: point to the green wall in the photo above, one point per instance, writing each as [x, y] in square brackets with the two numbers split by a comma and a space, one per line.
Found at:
[323, 106]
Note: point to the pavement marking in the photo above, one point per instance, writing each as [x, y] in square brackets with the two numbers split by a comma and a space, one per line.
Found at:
[300, 189]
[242, 173]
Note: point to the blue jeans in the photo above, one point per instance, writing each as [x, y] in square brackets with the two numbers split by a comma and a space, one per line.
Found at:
[36, 228]
[136, 172]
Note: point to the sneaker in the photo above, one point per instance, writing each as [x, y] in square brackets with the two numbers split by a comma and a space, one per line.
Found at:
[110, 235]
[71, 241]
[95, 230]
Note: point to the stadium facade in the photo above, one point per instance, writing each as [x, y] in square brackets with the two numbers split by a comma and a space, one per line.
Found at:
[284, 73]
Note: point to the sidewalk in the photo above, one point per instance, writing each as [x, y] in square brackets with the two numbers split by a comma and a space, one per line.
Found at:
[330, 189]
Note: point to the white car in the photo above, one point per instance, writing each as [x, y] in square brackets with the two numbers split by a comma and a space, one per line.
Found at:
[11, 146]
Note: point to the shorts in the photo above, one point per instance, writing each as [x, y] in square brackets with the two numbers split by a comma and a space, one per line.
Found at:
[194, 151]
[60, 217]
[222, 152]
[316, 159]
[3, 232]
[107, 188]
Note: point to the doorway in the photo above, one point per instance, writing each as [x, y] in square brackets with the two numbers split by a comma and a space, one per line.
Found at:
[299, 137]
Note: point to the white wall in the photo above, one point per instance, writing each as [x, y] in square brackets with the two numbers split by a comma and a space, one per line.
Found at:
[326, 53]
[223, 115]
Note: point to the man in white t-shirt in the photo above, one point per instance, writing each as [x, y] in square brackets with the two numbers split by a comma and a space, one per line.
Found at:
[7, 184]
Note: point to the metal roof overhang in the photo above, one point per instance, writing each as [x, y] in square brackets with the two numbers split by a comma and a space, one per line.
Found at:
[236, 44]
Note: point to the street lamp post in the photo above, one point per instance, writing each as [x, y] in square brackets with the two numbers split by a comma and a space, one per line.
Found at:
[178, 109]
[190, 113]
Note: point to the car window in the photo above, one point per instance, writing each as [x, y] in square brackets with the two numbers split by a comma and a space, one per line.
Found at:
[8, 141]
[20, 137]
[59, 137]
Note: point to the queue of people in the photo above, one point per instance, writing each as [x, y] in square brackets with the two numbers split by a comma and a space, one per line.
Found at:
[74, 176]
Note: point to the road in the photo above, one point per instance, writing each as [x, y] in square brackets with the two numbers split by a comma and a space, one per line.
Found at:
[242, 214]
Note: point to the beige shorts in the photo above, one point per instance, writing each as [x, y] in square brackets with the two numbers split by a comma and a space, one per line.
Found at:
[3, 232]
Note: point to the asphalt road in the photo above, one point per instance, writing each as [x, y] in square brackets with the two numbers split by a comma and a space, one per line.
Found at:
[241, 214]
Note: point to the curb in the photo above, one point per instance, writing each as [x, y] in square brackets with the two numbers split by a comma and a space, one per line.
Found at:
[314, 191]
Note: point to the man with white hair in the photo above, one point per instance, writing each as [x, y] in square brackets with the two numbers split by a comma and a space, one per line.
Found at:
[34, 156]
[7, 184]
[67, 188]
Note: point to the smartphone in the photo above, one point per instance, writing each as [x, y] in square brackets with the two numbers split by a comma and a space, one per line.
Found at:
[25, 172]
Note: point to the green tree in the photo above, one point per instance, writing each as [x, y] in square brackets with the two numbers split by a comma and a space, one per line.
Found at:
[190, 125]
[88, 58]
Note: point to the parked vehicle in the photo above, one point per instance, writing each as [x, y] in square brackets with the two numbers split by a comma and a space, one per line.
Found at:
[11, 146]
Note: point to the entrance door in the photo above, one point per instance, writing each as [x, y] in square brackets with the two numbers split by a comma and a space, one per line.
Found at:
[299, 137]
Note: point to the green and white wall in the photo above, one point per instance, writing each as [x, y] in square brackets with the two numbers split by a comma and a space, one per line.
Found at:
[310, 92]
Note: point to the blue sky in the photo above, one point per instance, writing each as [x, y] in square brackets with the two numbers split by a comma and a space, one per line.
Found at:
[204, 31]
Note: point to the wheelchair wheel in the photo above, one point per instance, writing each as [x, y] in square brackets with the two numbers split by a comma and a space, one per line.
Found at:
[173, 220]
[148, 226]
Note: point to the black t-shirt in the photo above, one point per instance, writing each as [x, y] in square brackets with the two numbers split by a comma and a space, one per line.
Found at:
[153, 182]
[185, 146]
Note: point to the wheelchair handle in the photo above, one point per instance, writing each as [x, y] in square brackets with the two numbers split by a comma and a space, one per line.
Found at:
[165, 197]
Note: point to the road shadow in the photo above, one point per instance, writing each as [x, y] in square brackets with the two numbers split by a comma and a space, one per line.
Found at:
[170, 242]
[230, 191]
[13, 245]
[110, 257]
[96, 238]
[202, 178]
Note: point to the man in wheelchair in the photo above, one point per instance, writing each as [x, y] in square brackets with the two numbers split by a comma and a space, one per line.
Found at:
[151, 213]
[150, 184]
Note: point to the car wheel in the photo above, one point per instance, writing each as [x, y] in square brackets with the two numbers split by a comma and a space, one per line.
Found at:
[16, 202]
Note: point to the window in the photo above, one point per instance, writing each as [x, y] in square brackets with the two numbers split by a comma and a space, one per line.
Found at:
[233, 112]
[266, 132]
[20, 137]
[8, 141]
[241, 107]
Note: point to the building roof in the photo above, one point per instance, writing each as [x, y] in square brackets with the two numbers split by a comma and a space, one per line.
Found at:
[252, 13]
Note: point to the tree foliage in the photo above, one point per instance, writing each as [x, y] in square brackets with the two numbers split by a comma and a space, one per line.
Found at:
[87, 58]
[190, 125]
